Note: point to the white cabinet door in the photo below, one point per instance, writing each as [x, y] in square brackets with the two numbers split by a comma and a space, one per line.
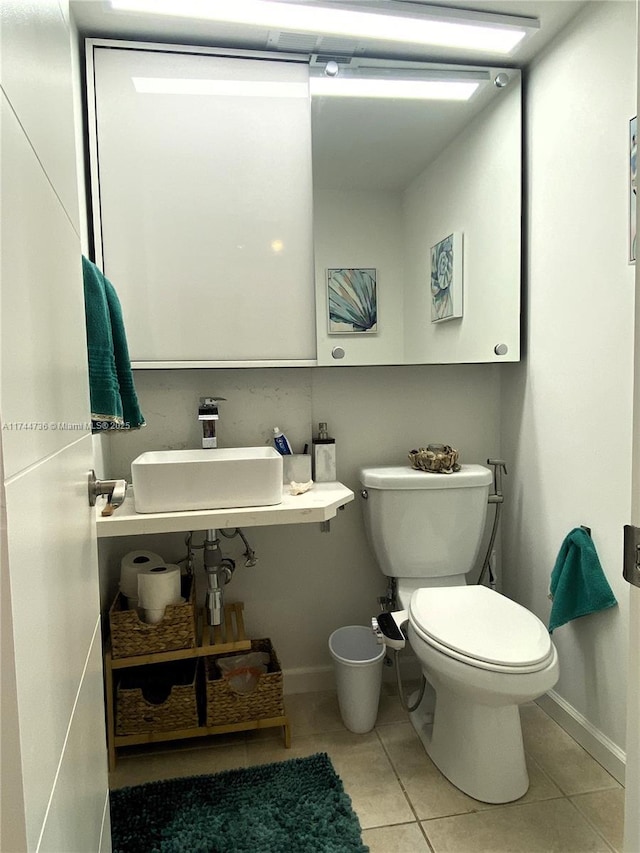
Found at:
[204, 203]
[397, 177]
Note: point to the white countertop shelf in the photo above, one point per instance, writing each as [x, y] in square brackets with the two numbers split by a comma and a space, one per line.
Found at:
[320, 503]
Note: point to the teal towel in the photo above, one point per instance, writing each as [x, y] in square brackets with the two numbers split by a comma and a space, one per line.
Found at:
[114, 403]
[578, 584]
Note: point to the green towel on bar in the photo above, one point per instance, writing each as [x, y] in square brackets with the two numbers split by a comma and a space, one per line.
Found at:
[114, 403]
[578, 584]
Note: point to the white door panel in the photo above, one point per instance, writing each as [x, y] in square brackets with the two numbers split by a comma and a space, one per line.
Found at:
[82, 778]
[55, 605]
[36, 37]
[44, 355]
[57, 767]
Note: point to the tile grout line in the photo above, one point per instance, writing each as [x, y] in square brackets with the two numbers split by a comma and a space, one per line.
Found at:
[556, 726]
[562, 788]
[547, 776]
[591, 823]
[405, 792]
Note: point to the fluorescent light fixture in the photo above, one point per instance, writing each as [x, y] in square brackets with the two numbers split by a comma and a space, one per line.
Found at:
[221, 88]
[383, 81]
[428, 25]
[428, 90]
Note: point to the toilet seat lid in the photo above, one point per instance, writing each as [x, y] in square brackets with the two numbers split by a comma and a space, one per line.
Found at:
[481, 625]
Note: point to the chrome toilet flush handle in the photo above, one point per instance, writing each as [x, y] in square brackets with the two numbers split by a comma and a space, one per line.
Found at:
[114, 490]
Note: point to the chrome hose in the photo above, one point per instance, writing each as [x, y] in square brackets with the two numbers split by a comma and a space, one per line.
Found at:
[403, 700]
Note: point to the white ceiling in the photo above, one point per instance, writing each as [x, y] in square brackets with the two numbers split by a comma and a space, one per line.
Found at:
[96, 18]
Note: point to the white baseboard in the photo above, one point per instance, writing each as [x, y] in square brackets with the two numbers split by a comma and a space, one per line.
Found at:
[313, 679]
[310, 679]
[597, 744]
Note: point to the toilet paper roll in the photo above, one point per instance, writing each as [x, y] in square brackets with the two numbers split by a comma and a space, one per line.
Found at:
[158, 585]
[152, 617]
[130, 565]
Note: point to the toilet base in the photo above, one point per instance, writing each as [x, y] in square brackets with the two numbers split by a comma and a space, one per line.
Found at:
[477, 747]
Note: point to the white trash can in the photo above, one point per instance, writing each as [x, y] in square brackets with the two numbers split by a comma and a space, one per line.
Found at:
[357, 662]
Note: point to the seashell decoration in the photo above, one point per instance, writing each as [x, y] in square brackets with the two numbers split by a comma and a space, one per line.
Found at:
[435, 459]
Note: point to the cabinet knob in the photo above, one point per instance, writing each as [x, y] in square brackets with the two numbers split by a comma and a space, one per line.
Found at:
[501, 349]
[337, 352]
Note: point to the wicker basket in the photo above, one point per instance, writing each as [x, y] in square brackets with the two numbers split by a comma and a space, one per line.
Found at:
[158, 698]
[225, 706]
[130, 636]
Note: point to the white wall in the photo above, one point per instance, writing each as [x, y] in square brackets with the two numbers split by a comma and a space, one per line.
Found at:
[567, 407]
[58, 762]
[308, 583]
[454, 195]
[361, 229]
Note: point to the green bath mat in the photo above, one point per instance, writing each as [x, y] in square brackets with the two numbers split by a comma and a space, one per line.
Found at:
[295, 806]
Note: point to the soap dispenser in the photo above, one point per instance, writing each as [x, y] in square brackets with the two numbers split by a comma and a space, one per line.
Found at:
[324, 456]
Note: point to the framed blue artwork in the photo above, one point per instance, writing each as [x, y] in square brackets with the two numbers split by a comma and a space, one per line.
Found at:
[353, 300]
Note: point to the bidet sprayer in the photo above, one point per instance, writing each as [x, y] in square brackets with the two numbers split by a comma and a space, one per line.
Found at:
[499, 466]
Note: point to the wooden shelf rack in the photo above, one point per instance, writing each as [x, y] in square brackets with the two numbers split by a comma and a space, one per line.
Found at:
[212, 640]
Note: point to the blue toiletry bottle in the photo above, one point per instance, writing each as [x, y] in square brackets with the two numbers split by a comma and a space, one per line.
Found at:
[281, 442]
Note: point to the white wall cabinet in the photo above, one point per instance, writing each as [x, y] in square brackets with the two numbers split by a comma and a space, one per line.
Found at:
[202, 202]
[394, 177]
[223, 193]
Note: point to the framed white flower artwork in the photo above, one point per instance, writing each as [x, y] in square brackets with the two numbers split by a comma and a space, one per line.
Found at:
[446, 278]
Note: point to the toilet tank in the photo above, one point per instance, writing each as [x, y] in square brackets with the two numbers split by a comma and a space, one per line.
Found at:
[425, 525]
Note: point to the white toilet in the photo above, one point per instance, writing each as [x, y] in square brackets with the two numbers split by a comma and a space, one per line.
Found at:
[482, 653]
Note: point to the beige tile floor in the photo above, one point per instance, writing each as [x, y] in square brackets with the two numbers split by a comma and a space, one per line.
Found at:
[403, 802]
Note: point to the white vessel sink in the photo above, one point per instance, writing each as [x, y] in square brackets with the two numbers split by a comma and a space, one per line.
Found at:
[219, 478]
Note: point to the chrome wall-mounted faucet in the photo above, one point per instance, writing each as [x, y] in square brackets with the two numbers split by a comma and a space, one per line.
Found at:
[209, 416]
